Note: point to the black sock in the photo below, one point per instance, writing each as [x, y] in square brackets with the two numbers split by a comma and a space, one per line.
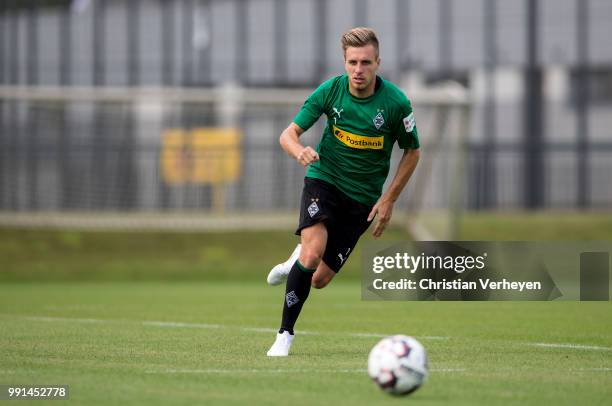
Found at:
[296, 293]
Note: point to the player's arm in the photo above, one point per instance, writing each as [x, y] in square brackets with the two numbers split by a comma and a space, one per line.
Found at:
[383, 209]
[290, 142]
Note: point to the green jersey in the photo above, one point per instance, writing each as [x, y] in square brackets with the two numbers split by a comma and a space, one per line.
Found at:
[355, 150]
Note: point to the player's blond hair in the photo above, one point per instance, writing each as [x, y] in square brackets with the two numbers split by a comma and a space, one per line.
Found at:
[359, 37]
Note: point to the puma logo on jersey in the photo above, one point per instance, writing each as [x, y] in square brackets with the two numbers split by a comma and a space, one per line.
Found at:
[338, 112]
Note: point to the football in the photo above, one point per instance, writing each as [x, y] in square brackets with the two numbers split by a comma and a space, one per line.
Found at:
[398, 364]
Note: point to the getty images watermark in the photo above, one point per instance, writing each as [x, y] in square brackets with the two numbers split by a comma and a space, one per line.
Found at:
[458, 264]
[447, 270]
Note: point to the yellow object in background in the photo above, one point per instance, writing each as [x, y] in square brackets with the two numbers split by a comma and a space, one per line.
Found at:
[201, 155]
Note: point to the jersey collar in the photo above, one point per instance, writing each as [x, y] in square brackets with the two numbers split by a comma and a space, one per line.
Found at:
[379, 85]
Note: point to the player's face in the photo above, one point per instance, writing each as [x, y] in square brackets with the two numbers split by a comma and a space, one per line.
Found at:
[361, 64]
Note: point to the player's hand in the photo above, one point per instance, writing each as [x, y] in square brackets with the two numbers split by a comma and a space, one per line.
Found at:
[382, 210]
[307, 156]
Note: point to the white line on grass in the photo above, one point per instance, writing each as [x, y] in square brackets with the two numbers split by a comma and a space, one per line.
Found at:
[277, 371]
[42, 318]
[174, 324]
[275, 330]
[259, 329]
[367, 335]
[178, 324]
[376, 335]
[254, 371]
[571, 346]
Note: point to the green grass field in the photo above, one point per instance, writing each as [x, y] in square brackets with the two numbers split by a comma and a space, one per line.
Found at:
[158, 318]
[205, 343]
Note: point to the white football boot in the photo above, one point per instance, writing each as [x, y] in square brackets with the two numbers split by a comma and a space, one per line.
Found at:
[281, 346]
[279, 272]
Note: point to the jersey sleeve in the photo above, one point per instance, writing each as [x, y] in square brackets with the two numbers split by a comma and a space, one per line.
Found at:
[406, 130]
[312, 108]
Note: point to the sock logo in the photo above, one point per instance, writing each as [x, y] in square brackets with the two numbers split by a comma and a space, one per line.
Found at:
[291, 298]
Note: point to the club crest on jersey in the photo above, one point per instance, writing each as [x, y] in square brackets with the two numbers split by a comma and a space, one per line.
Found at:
[379, 120]
[313, 209]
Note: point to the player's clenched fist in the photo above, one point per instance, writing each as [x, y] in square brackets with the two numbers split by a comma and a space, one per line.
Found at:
[307, 156]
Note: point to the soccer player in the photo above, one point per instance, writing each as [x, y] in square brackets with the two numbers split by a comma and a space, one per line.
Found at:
[366, 115]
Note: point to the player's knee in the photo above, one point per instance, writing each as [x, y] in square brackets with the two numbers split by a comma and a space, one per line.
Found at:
[310, 258]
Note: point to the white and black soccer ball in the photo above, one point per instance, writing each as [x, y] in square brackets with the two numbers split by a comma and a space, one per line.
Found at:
[398, 364]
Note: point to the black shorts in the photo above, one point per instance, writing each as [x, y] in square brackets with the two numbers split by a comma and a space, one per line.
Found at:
[345, 219]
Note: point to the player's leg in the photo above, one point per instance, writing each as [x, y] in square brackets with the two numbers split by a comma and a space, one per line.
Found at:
[314, 239]
[321, 278]
[318, 202]
[344, 232]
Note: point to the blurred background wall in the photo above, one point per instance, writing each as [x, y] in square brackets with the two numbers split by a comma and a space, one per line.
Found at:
[114, 105]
